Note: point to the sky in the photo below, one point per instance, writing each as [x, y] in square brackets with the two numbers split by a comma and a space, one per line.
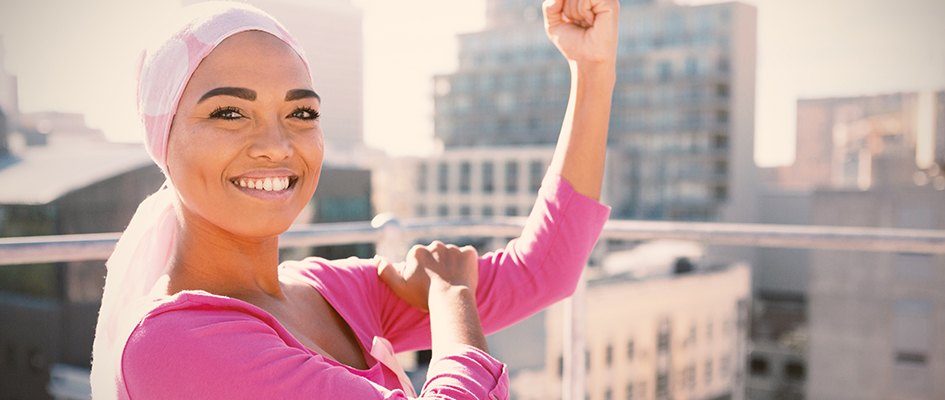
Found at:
[80, 56]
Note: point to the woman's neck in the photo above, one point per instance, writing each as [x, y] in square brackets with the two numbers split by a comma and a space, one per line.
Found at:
[209, 258]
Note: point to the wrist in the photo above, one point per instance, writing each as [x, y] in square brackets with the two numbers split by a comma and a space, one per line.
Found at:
[604, 72]
[444, 289]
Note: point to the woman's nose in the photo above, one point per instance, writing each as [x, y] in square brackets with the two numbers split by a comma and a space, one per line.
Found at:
[271, 141]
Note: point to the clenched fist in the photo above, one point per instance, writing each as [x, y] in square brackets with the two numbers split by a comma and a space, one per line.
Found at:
[436, 266]
[583, 30]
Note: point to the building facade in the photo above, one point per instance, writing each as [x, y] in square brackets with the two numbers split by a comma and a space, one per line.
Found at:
[876, 319]
[679, 336]
[837, 138]
[682, 124]
[464, 182]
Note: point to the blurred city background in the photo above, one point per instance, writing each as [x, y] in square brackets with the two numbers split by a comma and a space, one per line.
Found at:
[804, 113]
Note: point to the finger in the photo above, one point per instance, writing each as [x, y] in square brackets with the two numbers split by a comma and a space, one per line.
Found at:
[552, 10]
[571, 11]
[466, 250]
[436, 247]
[584, 7]
[390, 275]
[425, 258]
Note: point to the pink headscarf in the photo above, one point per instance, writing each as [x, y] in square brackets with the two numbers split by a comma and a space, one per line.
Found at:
[142, 255]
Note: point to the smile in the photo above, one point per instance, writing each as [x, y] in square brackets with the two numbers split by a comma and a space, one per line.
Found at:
[267, 188]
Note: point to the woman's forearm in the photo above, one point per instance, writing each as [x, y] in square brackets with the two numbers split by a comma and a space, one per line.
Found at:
[582, 143]
[454, 320]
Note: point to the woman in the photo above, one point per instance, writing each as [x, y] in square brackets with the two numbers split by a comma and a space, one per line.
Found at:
[196, 303]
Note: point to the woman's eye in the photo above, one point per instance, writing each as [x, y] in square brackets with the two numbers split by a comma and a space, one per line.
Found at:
[226, 113]
[305, 113]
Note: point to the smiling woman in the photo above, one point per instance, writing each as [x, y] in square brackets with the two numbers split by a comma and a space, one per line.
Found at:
[196, 302]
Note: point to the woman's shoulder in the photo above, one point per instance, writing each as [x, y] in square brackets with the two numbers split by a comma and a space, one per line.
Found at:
[173, 318]
[323, 270]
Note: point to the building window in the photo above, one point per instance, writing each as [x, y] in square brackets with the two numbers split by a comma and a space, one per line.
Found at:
[443, 177]
[560, 365]
[488, 177]
[535, 173]
[692, 67]
[708, 372]
[721, 91]
[487, 211]
[587, 360]
[608, 394]
[511, 211]
[911, 358]
[422, 174]
[465, 176]
[663, 336]
[630, 349]
[609, 355]
[511, 177]
[443, 210]
[720, 193]
[421, 210]
[662, 385]
[465, 211]
[629, 395]
[664, 71]
[758, 366]
[721, 116]
[794, 369]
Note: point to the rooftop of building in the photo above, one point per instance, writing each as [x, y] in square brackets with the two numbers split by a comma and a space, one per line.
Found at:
[63, 167]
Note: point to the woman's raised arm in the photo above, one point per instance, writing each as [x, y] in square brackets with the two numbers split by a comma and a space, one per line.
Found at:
[544, 264]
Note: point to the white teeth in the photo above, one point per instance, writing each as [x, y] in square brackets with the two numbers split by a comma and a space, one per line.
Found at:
[270, 184]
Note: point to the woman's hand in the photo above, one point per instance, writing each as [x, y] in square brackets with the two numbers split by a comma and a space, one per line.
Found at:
[585, 31]
[437, 266]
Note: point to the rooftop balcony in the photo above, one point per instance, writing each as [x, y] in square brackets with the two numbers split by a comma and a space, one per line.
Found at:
[392, 236]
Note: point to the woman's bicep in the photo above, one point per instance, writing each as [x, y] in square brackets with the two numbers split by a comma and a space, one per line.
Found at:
[542, 265]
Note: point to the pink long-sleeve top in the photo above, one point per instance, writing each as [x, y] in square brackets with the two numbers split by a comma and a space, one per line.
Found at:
[199, 345]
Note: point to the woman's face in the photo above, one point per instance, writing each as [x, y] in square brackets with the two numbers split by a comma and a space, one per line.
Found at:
[246, 126]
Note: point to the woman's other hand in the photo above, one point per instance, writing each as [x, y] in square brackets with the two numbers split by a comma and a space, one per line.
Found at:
[583, 30]
[437, 266]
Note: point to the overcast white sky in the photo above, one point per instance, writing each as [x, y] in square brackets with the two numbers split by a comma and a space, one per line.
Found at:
[79, 56]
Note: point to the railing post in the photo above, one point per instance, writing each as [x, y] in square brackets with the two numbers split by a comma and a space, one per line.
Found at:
[392, 244]
[573, 385]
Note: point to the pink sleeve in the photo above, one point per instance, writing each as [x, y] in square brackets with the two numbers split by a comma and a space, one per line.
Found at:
[228, 354]
[533, 271]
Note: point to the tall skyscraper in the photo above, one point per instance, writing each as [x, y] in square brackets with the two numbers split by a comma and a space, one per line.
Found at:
[682, 125]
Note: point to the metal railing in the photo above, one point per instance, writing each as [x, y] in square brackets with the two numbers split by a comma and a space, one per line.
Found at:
[392, 237]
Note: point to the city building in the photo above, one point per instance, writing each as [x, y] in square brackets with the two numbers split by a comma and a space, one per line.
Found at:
[876, 320]
[675, 336]
[48, 311]
[837, 137]
[463, 182]
[9, 103]
[868, 161]
[682, 125]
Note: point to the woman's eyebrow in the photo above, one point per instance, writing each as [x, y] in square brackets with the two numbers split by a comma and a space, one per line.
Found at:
[296, 94]
[242, 93]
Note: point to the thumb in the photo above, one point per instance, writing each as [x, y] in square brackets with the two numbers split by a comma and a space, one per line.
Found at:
[388, 273]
